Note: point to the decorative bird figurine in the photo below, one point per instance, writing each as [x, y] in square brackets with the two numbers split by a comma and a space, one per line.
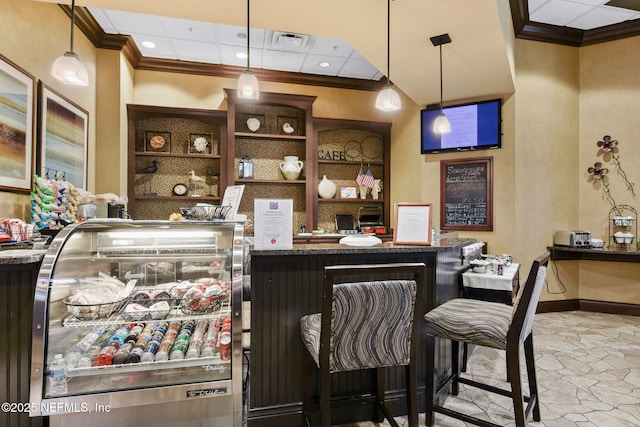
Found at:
[212, 173]
[150, 169]
[195, 178]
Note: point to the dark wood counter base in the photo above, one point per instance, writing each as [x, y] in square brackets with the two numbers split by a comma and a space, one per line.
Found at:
[285, 285]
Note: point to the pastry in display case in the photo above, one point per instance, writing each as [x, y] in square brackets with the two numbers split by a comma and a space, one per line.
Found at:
[132, 313]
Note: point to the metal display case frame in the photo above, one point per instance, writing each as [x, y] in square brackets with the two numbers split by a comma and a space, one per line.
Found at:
[204, 388]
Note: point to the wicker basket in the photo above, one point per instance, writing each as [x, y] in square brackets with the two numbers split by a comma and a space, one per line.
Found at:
[205, 212]
[92, 311]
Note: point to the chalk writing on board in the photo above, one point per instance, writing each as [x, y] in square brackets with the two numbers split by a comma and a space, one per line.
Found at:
[466, 195]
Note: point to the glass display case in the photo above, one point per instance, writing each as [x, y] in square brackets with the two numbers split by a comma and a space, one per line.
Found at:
[132, 313]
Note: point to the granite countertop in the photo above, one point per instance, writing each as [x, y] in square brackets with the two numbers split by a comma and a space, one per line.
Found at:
[442, 245]
[21, 256]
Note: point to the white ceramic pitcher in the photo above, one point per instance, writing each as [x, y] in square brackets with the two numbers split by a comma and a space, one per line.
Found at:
[291, 167]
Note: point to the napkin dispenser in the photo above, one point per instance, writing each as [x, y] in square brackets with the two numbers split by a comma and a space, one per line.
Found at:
[574, 239]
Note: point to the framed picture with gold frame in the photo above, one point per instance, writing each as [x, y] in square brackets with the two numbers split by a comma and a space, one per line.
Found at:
[63, 137]
[17, 89]
[348, 192]
[412, 224]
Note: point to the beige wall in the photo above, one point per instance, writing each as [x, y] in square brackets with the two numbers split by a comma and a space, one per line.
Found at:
[566, 100]
[34, 48]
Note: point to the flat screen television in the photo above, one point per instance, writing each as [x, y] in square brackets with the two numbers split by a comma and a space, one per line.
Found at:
[474, 126]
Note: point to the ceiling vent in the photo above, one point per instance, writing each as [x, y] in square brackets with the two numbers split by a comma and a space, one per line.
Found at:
[289, 42]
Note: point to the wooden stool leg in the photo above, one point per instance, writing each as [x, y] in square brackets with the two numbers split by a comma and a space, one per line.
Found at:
[513, 373]
[531, 376]
[379, 381]
[455, 366]
[412, 393]
[430, 380]
[325, 396]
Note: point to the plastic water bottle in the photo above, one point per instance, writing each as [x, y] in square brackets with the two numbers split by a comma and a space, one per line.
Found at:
[58, 376]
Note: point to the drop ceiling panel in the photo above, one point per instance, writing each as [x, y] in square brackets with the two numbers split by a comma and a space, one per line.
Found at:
[558, 12]
[311, 65]
[194, 51]
[284, 61]
[600, 17]
[189, 30]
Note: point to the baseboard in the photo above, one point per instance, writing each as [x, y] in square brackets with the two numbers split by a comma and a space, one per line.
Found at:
[589, 305]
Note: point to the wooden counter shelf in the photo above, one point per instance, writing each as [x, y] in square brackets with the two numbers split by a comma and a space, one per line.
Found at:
[565, 253]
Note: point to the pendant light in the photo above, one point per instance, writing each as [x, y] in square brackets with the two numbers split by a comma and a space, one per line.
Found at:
[67, 68]
[248, 87]
[441, 123]
[388, 99]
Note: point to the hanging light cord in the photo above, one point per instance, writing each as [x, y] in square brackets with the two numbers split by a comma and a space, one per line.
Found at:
[388, 42]
[73, 21]
[441, 108]
[248, 34]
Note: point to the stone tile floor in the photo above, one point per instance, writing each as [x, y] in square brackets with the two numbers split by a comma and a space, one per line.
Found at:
[588, 367]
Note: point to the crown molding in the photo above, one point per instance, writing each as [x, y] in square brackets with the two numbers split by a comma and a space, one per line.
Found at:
[529, 30]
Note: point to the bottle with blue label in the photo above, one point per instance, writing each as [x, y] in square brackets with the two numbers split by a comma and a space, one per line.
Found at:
[58, 376]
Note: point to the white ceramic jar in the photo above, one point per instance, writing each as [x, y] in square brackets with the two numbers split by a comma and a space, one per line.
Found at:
[326, 188]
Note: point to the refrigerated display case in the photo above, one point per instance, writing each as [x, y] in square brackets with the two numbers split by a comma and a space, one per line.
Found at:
[147, 317]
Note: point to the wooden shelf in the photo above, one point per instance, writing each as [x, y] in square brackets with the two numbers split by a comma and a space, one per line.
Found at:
[358, 200]
[270, 136]
[349, 162]
[190, 198]
[269, 181]
[185, 155]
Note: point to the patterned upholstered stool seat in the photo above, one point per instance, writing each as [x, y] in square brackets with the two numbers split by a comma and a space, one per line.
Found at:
[368, 324]
[473, 321]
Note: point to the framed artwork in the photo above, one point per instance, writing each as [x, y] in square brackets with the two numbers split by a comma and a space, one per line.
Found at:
[201, 143]
[348, 193]
[412, 224]
[159, 142]
[64, 137]
[16, 127]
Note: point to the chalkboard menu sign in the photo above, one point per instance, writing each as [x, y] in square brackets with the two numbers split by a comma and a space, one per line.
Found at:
[466, 194]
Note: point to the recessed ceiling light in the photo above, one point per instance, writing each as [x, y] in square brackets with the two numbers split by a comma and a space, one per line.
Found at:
[324, 64]
[241, 55]
[148, 44]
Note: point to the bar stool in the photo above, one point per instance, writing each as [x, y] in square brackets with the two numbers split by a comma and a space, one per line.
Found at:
[488, 324]
[364, 325]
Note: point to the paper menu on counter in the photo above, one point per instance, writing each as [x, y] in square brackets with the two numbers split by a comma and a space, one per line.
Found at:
[232, 197]
[273, 223]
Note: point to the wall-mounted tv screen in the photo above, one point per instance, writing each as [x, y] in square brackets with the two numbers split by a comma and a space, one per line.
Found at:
[474, 126]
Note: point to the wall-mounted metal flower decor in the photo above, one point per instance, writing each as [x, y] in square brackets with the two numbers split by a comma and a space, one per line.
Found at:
[609, 150]
[598, 175]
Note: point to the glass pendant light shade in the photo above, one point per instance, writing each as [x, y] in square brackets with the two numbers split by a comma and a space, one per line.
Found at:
[248, 87]
[441, 124]
[388, 99]
[69, 70]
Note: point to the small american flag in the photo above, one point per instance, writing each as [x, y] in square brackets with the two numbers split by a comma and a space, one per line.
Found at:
[367, 179]
[360, 176]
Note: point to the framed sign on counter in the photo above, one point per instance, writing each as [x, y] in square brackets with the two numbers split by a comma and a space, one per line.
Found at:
[466, 194]
[412, 224]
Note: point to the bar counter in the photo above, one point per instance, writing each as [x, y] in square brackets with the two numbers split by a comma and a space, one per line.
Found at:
[287, 284]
